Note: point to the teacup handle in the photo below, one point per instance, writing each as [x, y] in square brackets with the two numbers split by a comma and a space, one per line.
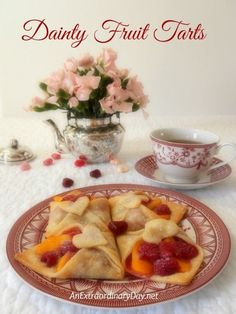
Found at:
[222, 163]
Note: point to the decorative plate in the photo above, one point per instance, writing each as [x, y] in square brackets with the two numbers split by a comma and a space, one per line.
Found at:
[147, 167]
[201, 224]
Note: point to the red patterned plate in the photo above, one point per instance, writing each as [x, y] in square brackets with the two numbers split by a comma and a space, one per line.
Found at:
[147, 167]
[201, 224]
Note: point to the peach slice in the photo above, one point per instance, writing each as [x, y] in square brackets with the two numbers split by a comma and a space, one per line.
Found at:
[167, 216]
[153, 203]
[138, 265]
[64, 259]
[52, 243]
[58, 198]
[184, 265]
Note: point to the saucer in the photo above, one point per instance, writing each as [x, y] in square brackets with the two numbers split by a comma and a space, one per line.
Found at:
[147, 167]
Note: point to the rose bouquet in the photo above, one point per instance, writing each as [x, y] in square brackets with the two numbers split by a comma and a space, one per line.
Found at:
[89, 88]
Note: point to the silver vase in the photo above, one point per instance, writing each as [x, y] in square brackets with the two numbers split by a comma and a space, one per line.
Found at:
[96, 139]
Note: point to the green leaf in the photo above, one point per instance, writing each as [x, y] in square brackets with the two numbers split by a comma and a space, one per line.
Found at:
[63, 94]
[46, 107]
[63, 103]
[135, 107]
[124, 83]
[83, 72]
[96, 72]
[43, 86]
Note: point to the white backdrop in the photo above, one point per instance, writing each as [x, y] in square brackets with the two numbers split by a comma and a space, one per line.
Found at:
[180, 77]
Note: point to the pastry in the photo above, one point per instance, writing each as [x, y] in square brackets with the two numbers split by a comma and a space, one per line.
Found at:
[138, 208]
[160, 252]
[86, 253]
[78, 212]
[77, 242]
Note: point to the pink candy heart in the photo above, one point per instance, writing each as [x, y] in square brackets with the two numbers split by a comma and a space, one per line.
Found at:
[48, 162]
[25, 166]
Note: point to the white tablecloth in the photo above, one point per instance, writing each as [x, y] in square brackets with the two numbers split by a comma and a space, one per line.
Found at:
[20, 190]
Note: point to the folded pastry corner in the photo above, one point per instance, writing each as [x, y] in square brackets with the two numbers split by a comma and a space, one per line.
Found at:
[77, 242]
[137, 208]
[85, 253]
[80, 212]
[128, 207]
[160, 252]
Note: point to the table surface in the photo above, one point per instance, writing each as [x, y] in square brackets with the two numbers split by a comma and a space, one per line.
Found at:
[21, 190]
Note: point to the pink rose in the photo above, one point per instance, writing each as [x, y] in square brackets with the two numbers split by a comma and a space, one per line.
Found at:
[108, 59]
[111, 105]
[36, 102]
[52, 100]
[124, 107]
[71, 64]
[85, 85]
[115, 89]
[135, 89]
[68, 83]
[86, 61]
[107, 104]
[54, 82]
[117, 99]
[73, 102]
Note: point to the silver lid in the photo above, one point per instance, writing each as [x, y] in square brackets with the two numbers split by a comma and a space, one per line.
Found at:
[15, 153]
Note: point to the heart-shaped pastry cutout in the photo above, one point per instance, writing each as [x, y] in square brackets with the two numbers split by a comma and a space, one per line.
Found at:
[91, 236]
[158, 229]
[78, 207]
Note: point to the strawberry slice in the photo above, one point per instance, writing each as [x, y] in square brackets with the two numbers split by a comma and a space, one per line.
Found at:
[162, 209]
[50, 258]
[149, 251]
[184, 250]
[166, 266]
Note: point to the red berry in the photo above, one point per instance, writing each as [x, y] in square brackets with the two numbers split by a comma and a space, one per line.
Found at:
[67, 182]
[118, 227]
[56, 156]
[149, 251]
[165, 266]
[80, 163]
[184, 250]
[83, 157]
[50, 258]
[67, 246]
[162, 209]
[48, 162]
[167, 249]
[96, 173]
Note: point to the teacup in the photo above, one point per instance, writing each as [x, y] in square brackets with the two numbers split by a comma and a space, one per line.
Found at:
[183, 155]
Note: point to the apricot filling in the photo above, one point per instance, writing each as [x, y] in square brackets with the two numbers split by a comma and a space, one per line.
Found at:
[51, 243]
[141, 266]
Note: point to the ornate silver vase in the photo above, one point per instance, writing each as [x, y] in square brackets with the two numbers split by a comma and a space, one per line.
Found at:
[96, 139]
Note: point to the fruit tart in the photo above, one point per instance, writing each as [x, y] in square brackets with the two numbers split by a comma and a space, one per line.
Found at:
[138, 208]
[76, 253]
[76, 210]
[161, 252]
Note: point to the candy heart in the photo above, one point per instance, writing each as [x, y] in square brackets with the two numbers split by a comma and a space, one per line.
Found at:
[25, 166]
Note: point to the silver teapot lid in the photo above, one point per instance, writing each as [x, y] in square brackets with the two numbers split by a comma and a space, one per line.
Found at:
[15, 153]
